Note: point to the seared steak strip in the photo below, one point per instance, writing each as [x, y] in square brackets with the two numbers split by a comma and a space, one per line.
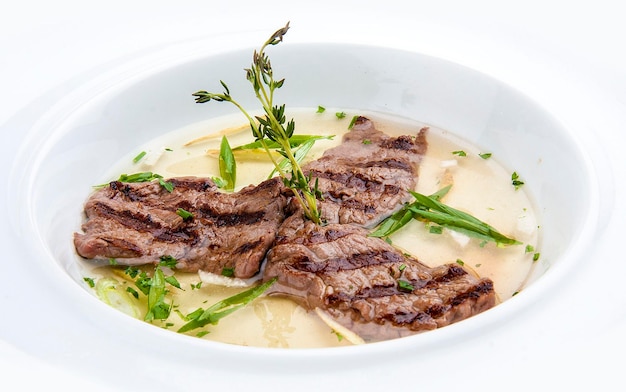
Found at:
[367, 177]
[137, 223]
[366, 284]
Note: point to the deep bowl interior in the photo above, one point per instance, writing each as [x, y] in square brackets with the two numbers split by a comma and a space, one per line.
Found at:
[107, 123]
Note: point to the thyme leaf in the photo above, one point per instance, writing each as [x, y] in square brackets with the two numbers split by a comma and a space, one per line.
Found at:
[273, 125]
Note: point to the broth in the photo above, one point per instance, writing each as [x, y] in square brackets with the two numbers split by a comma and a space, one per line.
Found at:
[481, 186]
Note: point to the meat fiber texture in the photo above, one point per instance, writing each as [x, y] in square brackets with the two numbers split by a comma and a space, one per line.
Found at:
[368, 176]
[362, 282]
[138, 223]
[356, 279]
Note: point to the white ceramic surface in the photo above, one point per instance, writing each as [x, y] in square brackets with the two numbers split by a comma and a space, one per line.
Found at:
[57, 326]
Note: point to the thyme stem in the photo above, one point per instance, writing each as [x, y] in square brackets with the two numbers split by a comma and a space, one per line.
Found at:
[271, 126]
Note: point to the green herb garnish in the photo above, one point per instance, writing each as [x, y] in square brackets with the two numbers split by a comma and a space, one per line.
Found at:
[154, 287]
[139, 156]
[430, 209]
[132, 292]
[228, 272]
[199, 318]
[485, 155]
[143, 177]
[227, 164]
[272, 126]
[219, 182]
[294, 141]
[460, 153]
[301, 145]
[158, 309]
[435, 229]
[515, 180]
[90, 282]
[400, 218]
[184, 214]
[353, 121]
[403, 285]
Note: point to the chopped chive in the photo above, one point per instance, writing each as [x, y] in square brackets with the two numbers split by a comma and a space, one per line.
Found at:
[90, 282]
[352, 122]
[403, 285]
[132, 292]
[184, 214]
[139, 156]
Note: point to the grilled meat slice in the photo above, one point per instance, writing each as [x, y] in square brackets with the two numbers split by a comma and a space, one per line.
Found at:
[137, 223]
[367, 177]
[366, 284]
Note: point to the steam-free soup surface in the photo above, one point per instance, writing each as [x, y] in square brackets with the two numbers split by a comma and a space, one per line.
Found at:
[481, 185]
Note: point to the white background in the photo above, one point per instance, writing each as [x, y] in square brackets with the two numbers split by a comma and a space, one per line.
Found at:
[569, 55]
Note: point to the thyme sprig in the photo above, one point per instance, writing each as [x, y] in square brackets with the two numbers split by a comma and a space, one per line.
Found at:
[273, 126]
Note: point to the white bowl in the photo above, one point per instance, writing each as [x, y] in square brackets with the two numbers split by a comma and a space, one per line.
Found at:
[88, 131]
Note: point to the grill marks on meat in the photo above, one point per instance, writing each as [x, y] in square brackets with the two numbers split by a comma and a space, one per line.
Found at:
[337, 267]
[367, 177]
[137, 223]
[355, 278]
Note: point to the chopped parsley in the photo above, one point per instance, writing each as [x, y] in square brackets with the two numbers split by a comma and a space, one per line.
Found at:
[515, 180]
[228, 272]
